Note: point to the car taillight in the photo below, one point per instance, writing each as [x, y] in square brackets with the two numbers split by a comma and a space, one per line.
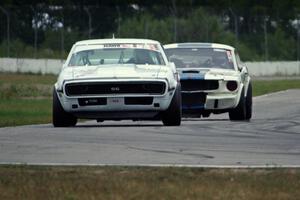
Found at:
[231, 85]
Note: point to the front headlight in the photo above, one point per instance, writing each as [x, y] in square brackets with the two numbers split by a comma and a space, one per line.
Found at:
[231, 85]
[171, 86]
[177, 77]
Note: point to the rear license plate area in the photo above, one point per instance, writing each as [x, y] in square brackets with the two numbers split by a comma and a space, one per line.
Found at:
[115, 101]
[92, 101]
[193, 99]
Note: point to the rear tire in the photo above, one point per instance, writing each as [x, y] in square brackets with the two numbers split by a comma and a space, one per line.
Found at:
[205, 114]
[172, 116]
[249, 102]
[60, 118]
[239, 113]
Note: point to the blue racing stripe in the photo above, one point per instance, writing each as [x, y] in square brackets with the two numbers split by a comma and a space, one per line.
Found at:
[188, 107]
[192, 76]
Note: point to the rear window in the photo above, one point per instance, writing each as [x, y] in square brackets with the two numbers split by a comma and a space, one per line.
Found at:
[201, 58]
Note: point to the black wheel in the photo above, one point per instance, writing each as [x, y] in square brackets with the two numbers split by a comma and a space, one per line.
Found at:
[239, 113]
[60, 118]
[205, 114]
[249, 102]
[172, 116]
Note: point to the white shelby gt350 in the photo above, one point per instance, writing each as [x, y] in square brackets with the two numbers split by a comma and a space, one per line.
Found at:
[115, 79]
[213, 80]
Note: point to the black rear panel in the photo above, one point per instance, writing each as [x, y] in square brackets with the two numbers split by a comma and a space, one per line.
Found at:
[96, 88]
[190, 100]
[196, 85]
[138, 100]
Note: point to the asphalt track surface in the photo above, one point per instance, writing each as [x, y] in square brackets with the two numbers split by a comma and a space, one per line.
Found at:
[271, 138]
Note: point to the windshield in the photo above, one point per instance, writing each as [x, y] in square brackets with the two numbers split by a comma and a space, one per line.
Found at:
[200, 58]
[116, 55]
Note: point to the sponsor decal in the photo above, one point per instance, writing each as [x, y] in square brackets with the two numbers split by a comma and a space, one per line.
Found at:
[111, 45]
[153, 47]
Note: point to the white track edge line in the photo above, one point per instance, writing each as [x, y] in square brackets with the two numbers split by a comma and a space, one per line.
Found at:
[267, 166]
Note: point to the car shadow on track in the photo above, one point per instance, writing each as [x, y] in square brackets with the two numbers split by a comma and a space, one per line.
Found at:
[120, 125]
[117, 126]
[201, 119]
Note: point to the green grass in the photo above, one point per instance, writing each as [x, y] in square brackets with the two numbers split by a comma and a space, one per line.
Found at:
[261, 87]
[16, 91]
[26, 98]
[15, 112]
[32, 182]
[13, 78]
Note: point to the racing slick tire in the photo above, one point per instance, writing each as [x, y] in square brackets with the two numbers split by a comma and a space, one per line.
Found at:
[249, 102]
[172, 116]
[60, 118]
[239, 113]
[205, 114]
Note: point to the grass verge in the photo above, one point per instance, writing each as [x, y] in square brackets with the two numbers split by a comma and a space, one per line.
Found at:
[26, 98]
[261, 87]
[18, 78]
[31, 182]
[15, 112]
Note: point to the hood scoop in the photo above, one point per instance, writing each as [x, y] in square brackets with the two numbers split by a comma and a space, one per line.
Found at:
[190, 71]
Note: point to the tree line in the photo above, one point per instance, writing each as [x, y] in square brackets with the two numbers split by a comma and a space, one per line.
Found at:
[260, 30]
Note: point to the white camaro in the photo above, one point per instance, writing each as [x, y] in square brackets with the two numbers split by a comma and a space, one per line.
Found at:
[213, 80]
[115, 79]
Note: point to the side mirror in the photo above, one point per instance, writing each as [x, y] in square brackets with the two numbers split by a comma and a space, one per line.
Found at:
[64, 65]
[173, 67]
[241, 67]
[244, 69]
